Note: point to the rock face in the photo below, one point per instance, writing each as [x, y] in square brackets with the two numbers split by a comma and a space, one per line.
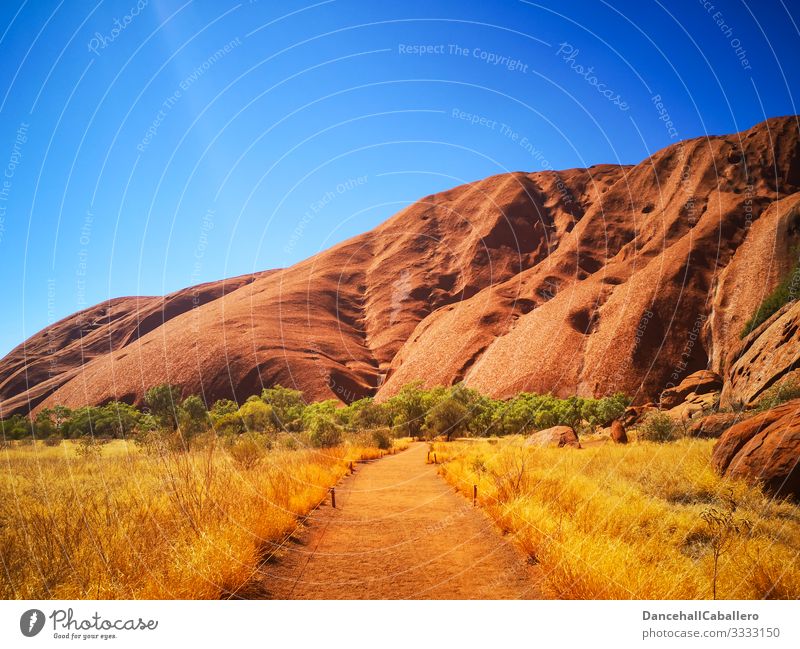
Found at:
[584, 281]
[714, 425]
[698, 383]
[768, 355]
[764, 448]
[618, 434]
[557, 436]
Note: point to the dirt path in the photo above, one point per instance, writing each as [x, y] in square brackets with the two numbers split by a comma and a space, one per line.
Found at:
[399, 531]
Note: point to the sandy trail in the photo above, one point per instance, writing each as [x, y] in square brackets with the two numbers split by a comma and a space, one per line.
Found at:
[399, 531]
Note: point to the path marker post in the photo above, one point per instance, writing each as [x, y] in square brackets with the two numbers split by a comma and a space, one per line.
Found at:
[474, 495]
[333, 497]
[351, 467]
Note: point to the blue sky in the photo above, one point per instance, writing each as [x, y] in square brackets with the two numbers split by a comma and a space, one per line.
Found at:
[151, 145]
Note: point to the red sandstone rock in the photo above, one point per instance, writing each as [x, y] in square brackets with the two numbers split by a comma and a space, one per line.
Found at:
[701, 382]
[618, 434]
[587, 281]
[557, 436]
[713, 426]
[764, 449]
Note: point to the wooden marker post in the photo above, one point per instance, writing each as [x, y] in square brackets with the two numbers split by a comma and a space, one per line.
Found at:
[333, 497]
[474, 495]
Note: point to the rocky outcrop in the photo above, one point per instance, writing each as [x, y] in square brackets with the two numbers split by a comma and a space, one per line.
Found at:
[557, 436]
[584, 281]
[769, 355]
[766, 254]
[699, 383]
[636, 414]
[713, 425]
[764, 449]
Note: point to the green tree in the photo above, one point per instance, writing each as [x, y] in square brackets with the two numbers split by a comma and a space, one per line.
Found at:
[568, 412]
[117, 420]
[448, 417]
[410, 406]
[485, 417]
[658, 427]
[17, 427]
[366, 414]
[319, 410]
[324, 433]
[225, 417]
[257, 415]
[287, 405]
[194, 418]
[223, 407]
[163, 401]
[43, 424]
[611, 408]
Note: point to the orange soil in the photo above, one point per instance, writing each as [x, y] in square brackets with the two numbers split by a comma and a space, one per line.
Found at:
[399, 532]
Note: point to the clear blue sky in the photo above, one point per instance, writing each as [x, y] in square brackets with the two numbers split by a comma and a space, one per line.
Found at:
[142, 156]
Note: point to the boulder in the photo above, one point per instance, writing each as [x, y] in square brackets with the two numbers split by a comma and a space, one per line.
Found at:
[714, 425]
[618, 433]
[694, 406]
[699, 383]
[557, 436]
[635, 414]
[764, 449]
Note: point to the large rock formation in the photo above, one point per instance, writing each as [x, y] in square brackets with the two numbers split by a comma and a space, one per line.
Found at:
[764, 449]
[588, 281]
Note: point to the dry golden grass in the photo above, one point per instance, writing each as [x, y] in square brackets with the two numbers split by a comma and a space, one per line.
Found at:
[617, 522]
[124, 523]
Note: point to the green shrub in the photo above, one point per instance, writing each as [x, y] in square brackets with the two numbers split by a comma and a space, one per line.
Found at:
[381, 438]
[257, 415]
[658, 427]
[325, 433]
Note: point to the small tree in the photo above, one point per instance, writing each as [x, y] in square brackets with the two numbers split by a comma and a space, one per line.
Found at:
[410, 407]
[724, 527]
[448, 418]
[365, 414]
[324, 433]
[568, 412]
[287, 405]
[163, 400]
[257, 415]
[193, 416]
